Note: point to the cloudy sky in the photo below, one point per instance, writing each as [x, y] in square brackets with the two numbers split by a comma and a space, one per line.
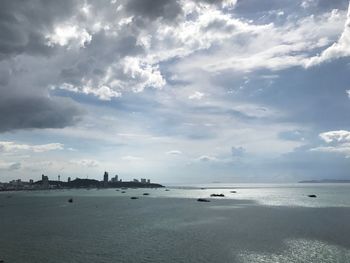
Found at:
[175, 90]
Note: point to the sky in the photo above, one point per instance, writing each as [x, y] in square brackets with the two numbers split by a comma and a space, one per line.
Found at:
[178, 91]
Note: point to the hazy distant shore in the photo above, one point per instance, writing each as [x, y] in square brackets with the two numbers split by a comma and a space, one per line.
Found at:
[326, 181]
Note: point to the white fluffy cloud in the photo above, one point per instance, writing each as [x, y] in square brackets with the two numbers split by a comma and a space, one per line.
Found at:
[339, 142]
[142, 74]
[102, 92]
[340, 136]
[339, 49]
[196, 96]
[69, 35]
[110, 51]
[15, 147]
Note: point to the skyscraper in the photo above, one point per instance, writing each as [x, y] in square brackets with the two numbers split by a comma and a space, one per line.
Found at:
[105, 179]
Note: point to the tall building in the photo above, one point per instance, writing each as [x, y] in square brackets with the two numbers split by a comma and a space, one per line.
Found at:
[105, 179]
[143, 180]
[69, 179]
[114, 179]
[44, 181]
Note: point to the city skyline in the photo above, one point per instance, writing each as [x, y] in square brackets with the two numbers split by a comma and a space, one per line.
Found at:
[182, 92]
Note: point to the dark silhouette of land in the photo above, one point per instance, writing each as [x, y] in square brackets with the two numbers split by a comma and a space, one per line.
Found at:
[92, 183]
[326, 181]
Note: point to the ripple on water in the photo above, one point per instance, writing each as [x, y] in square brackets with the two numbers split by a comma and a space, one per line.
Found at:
[301, 251]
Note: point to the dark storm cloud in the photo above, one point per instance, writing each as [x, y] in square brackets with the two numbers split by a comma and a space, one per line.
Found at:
[17, 112]
[23, 24]
[154, 9]
[24, 98]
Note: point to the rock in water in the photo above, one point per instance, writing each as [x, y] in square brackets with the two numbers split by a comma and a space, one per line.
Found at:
[312, 196]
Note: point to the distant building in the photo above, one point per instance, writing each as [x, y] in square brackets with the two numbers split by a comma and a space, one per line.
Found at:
[148, 181]
[143, 180]
[44, 181]
[31, 181]
[69, 179]
[105, 179]
[136, 181]
[114, 179]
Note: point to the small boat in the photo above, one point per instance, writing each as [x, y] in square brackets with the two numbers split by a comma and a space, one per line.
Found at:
[70, 200]
[134, 197]
[217, 195]
[145, 193]
[312, 196]
[203, 200]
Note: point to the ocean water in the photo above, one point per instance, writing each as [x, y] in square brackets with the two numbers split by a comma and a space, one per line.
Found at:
[258, 223]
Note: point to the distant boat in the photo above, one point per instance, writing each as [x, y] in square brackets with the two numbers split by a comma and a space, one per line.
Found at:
[217, 195]
[145, 193]
[134, 197]
[70, 200]
[312, 196]
[203, 200]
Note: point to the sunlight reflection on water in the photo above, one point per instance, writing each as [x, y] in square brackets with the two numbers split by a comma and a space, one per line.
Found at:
[311, 251]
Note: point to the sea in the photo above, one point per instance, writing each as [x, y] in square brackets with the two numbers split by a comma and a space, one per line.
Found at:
[250, 223]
